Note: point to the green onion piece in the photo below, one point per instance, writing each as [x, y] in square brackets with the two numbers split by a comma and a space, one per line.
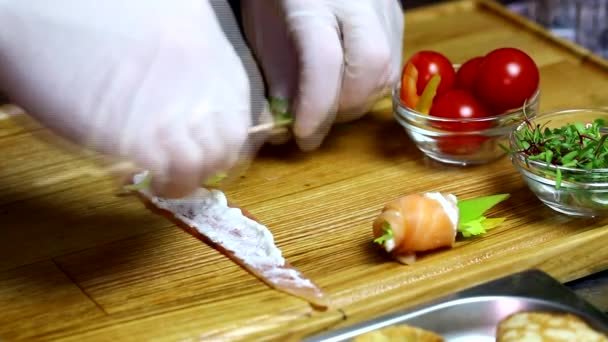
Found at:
[471, 214]
[388, 234]
[279, 108]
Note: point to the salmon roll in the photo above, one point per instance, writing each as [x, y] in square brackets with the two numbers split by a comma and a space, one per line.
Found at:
[417, 222]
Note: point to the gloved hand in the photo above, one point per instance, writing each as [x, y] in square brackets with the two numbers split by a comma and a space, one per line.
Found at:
[167, 84]
[327, 56]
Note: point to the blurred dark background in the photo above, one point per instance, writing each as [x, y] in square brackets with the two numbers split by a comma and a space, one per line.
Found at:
[584, 22]
[416, 3]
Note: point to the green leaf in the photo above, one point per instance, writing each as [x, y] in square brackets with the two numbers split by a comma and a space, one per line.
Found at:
[472, 209]
[579, 127]
[279, 108]
[569, 157]
[548, 156]
[144, 184]
[473, 227]
[479, 226]
[490, 223]
[388, 234]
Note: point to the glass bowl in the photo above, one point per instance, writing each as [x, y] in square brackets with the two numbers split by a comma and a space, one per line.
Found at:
[580, 192]
[460, 148]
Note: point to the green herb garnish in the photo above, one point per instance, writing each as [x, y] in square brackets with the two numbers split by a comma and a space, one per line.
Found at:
[388, 234]
[279, 108]
[471, 219]
[574, 145]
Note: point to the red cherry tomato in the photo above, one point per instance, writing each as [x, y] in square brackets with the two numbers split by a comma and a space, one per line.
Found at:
[459, 104]
[506, 78]
[429, 63]
[466, 74]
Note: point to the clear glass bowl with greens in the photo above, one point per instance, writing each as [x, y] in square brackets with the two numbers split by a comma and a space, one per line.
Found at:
[462, 148]
[563, 158]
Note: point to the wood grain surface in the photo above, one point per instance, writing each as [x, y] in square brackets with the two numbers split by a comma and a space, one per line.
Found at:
[78, 262]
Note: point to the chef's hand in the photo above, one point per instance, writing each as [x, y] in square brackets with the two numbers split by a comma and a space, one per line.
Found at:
[157, 82]
[333, 58]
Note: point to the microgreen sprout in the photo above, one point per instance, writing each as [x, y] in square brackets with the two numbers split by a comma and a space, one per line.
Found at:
[388, 234]
[471, 212]
[575, 145]
[279, 107]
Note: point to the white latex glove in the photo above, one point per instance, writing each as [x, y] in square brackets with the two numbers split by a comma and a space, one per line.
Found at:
[327, 56]
[157, 82]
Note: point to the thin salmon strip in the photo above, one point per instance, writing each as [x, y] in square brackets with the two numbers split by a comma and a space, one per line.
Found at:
[208, 216]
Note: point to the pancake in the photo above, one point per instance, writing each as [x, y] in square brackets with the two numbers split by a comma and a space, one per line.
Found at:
[546, 327]
[400, 333]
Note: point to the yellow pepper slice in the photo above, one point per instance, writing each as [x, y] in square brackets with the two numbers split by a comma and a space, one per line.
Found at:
[426, 99]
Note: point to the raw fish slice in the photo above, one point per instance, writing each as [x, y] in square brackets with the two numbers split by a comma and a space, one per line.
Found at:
[208, 216]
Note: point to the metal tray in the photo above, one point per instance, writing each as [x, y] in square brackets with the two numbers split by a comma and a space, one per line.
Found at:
[473, 314]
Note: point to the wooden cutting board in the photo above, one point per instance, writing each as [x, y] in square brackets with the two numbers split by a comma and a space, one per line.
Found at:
[78, 262]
